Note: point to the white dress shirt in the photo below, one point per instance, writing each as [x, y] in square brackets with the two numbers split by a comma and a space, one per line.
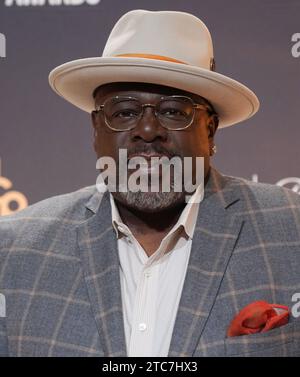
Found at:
[151, 286]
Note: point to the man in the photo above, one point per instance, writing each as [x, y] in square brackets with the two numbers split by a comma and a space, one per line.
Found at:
[116, 273]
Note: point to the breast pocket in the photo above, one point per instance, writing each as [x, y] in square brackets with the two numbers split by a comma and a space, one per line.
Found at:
[282, 341]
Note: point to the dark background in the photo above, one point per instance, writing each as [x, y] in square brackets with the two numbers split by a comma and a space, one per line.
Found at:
[46, 143]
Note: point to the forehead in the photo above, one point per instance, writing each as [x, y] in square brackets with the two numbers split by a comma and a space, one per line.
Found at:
[139, 90]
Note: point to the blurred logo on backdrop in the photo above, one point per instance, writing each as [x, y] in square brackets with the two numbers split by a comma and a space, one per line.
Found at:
[296, 46]
[2, 46]
[292, 183]
[22, 3]
[11, 201]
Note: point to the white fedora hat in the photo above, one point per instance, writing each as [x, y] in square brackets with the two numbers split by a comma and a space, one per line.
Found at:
[167, 48]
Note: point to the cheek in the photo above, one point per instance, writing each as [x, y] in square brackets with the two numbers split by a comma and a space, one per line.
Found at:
[108, 144]
[194, 142]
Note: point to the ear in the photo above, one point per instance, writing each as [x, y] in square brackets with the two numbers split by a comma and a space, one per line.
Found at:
[213, 123]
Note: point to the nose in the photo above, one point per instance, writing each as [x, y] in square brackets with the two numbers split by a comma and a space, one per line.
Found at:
[148, 127]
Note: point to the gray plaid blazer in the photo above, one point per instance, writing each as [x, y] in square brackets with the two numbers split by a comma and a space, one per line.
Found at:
[59, 274]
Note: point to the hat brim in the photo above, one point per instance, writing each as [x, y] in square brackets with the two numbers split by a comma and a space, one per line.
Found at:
[75, 81]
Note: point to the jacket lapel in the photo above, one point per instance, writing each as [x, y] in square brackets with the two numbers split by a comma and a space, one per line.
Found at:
[215, 235]
[99, 255]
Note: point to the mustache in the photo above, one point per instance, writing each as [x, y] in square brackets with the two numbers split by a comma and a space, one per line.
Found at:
[153, 149]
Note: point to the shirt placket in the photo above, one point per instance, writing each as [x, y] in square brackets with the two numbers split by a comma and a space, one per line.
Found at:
[144, 312]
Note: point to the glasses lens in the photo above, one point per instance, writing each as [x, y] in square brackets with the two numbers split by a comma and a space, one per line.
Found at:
[122, 113]
[176, 112]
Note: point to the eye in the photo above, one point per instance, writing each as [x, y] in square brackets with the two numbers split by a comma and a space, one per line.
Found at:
[169, 112]
[125, 114]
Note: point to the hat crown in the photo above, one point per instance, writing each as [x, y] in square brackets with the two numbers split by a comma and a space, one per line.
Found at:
[146, 47]
[173, 35]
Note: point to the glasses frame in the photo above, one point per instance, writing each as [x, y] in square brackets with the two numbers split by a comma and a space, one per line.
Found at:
[196, 106]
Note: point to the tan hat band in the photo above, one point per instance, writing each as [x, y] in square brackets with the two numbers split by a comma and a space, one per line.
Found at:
[150, 56]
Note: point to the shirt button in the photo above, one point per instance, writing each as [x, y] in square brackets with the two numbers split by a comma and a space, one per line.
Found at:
[147, 274]
[142, 326]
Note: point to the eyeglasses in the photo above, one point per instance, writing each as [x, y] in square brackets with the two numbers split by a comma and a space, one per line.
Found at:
[173, 112]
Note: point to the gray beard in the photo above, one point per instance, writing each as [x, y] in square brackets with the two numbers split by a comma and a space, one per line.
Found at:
[147, 201]
[151, 201]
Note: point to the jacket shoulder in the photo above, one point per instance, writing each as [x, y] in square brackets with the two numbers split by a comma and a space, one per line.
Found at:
[264, 195]
[59, 206]
[58, 211]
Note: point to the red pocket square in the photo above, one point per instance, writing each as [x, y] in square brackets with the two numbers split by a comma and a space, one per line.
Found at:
[259, 316]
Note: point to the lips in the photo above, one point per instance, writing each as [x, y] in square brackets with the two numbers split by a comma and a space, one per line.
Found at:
[148, 156]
